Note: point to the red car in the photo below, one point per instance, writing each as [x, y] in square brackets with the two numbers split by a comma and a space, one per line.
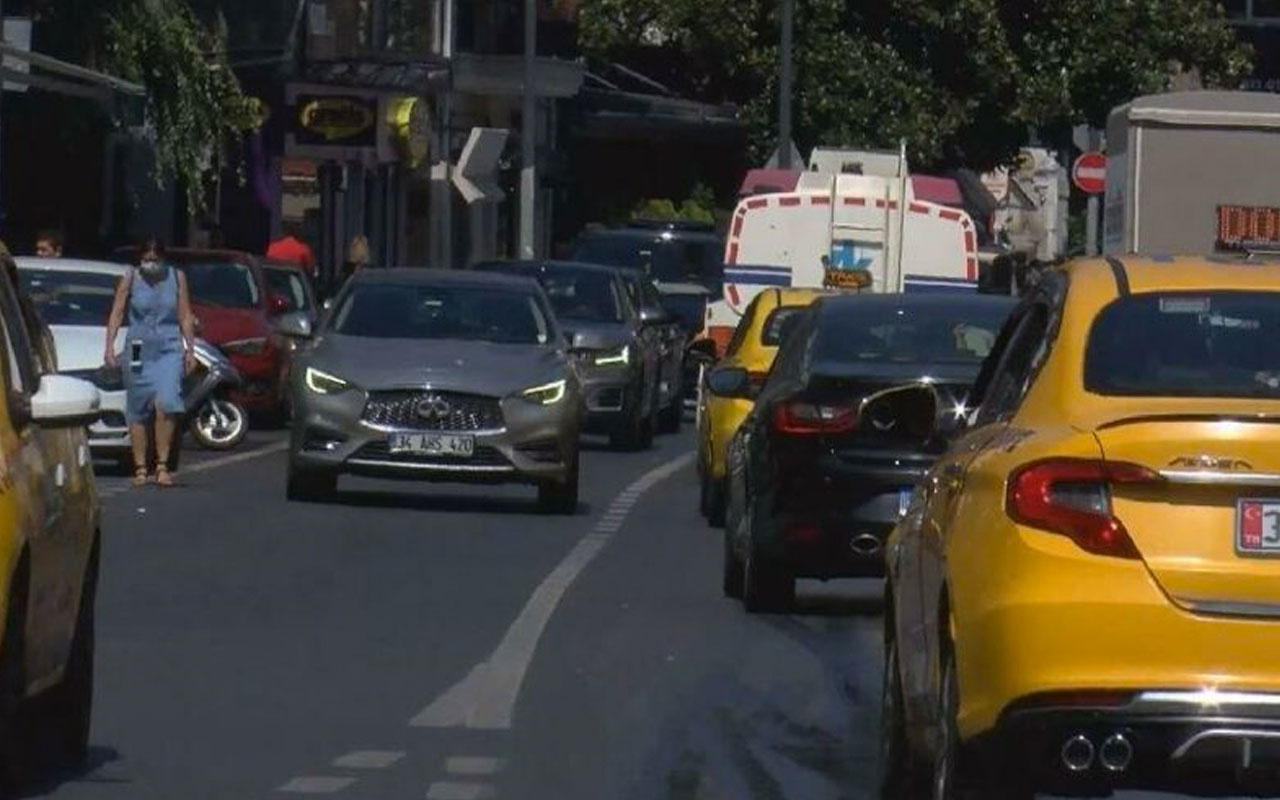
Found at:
[236, 311]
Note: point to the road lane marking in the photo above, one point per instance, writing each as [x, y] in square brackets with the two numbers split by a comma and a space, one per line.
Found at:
[368, 759]
[472, 765]
[452, 790]
[316, 784]
[486, 698]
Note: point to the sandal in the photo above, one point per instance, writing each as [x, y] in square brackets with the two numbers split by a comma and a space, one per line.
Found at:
[139, 476]
[163, 477]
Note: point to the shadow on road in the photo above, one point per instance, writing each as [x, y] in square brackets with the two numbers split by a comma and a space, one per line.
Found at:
[457, 504]
[46, 779]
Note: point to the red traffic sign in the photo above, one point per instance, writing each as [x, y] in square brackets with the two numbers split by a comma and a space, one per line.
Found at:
[1089, 173]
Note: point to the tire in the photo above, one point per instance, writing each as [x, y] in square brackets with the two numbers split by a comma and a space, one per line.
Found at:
[14, 734]
[70, 703]
[732, 578]
[556, 497]
[899, 776]
[219, 424]
[767, 586]
[310, 485]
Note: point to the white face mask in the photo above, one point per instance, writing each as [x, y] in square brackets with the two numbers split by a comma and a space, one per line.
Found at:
[152, 268]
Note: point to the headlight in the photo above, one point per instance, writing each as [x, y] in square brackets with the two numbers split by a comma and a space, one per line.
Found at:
[613, 357]
[548, 394]
[323, 383]
[246, 347]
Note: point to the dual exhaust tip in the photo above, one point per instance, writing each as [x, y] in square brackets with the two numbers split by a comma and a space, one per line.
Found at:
[864, 544]
[1114, 755]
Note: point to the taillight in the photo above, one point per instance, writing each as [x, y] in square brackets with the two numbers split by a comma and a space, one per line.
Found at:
[1072, 497]
[803, 418]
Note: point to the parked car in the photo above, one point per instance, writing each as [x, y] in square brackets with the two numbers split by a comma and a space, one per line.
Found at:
[817, 475]
[670, 337]
[746, 364]
[1085, 594]
[294, 284]
[237, 313]
[49, 549]
[74, 298]
[438, 375]
[618, 345]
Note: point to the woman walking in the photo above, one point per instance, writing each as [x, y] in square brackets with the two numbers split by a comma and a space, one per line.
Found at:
[159, 349]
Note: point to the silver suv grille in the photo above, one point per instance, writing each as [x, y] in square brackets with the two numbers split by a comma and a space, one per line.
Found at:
[433, 411]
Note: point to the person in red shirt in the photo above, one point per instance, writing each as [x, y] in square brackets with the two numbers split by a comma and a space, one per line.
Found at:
[290, 249]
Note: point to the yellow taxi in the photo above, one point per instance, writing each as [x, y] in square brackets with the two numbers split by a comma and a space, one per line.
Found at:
[735, 380]
[49, 546]
[1085, 592]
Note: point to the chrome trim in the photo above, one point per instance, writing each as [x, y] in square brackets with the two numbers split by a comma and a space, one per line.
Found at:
[1265, 705]
[392, 429]
[478, 468]
[1201, 477]
[1243, 735]
[1230, 608]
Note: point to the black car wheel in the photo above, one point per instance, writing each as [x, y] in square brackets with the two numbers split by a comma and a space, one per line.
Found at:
[70, 703]
[310, 485]
[561, 497]
[767, 586]
[732, 579]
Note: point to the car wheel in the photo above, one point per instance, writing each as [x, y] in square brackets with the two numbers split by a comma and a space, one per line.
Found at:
[899, 779]
[767, 586]
[732, 579]
[71, 701]
[561, 497]
[13, 734]
[310, 485]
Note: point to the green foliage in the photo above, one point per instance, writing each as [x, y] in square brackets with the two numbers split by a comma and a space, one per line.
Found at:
[700, 206]
[960, 80]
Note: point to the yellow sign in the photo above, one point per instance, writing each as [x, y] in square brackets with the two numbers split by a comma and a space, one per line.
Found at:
[410, 120]
[336, 117]
[846, 279]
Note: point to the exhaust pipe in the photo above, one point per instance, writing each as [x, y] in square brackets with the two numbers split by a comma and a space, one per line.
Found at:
[1077, 753]
[1116, 753]
[864, 544]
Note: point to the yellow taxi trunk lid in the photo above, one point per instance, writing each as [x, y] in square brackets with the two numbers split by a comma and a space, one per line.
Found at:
[1210, 531]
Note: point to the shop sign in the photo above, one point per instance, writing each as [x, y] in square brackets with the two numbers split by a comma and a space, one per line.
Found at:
[410, 121]
[336, 120]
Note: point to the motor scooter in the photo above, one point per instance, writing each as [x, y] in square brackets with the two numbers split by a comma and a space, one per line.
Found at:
[214, 420]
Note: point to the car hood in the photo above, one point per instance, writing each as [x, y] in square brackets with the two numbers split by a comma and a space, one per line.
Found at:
[221, 325]
[80, 347]
[458, 365]
[607, 334]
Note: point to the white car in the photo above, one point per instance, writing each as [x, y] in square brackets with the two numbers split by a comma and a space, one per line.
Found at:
[74, 297]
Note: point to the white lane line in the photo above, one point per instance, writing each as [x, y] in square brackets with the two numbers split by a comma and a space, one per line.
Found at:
[452, 790]
[486, 698]
[369, 759]
[316, 784]
[472, 765]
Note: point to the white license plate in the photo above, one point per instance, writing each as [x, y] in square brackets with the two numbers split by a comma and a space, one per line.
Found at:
[1258, 527]
[432, 444]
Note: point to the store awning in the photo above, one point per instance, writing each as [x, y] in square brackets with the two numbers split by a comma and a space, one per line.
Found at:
[61, 77]
[420, 77]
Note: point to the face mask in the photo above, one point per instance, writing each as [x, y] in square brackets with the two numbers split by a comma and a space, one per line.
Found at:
[152, 269]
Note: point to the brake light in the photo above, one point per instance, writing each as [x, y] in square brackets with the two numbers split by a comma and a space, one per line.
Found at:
[801, 418]
[1072, 497]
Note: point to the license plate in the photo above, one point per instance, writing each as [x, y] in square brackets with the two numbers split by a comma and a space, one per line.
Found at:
[432, 444]
[1258, 527]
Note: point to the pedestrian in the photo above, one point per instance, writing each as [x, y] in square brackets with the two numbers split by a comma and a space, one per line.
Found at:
[357, 256]
[290, 249]
[160, 351]
[49, 243]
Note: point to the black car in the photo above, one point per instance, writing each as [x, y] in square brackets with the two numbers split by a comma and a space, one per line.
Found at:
[668, 252]
[617, 341]
[816, 477]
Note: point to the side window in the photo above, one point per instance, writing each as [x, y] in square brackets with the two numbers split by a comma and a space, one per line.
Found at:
[789, 363]
[744, 328]
[1011, 378]
[650, 294]
[20, 353]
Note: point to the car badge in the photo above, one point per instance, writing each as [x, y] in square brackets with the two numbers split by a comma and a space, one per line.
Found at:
[1211, 462]
[433, 407]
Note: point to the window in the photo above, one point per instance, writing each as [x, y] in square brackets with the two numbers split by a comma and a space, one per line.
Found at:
[744, 327]
[584, 295]
[222, 284]
[779, 322]
[70, 298]
[290, 285]
[23, 374]
[951, 334]
[1011, 379]
[1207, 344]
[414, 311]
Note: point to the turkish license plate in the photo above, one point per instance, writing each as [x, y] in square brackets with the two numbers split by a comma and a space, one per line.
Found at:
[432, 444]
[1258, 527]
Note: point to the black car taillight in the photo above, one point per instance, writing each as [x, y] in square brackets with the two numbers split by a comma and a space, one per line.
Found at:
[801, 418]
[1072, 497]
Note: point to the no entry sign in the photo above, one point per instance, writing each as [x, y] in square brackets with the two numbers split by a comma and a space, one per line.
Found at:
[1089, 173]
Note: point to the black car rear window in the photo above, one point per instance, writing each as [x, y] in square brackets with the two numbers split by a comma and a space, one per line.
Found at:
[778, 323]
[954, 333]
[1186, 344]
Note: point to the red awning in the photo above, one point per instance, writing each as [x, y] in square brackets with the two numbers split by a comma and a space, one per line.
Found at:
[769, 181]
[932, 189]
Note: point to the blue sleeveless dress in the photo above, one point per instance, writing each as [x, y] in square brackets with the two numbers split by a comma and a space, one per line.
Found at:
[153, 321]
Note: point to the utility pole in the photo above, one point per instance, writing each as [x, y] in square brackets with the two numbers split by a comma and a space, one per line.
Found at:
[529, 134]
[784, 85]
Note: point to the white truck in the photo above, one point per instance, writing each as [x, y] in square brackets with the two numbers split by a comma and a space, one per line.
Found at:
[1193, 173]
[835, 224]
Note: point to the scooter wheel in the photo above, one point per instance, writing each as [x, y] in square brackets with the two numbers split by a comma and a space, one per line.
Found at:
[219, 424]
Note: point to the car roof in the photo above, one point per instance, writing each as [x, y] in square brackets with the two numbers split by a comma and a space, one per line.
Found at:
[71, 265]
[1160, 273]
[922, 302]
[421, 276]
[651, 234]
[513, 267]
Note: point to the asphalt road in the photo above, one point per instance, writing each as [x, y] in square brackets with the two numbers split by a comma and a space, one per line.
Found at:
[449, 643]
